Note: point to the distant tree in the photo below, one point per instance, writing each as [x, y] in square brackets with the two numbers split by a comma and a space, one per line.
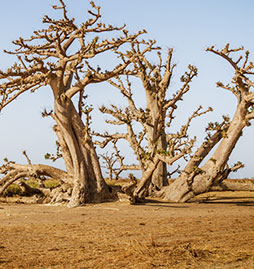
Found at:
[58, 56]
[114, 162]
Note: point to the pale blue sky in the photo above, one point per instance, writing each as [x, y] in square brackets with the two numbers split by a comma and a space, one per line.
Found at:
[187, 26]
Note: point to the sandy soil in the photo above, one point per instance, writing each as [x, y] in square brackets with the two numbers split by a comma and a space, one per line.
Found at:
[216, 234]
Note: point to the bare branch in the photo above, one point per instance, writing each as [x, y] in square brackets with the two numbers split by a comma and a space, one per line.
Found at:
[25, 154]
[225, 52]
[108, 138]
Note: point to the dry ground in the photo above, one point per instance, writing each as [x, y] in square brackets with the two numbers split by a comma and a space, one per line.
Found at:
[216, 234]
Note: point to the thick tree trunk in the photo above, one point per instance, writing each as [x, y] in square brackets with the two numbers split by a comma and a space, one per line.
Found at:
[88, 183]
[194, 180]
[142, 189]
[64, 151]
[159, 176]
[156, 135]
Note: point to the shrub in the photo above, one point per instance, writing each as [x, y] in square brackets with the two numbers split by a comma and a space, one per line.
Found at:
[13, 190]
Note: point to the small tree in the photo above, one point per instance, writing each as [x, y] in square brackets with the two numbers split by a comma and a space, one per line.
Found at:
[114, 162]
[47, 58]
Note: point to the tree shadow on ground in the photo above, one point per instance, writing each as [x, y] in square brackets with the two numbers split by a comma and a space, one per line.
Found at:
[240, 201]
[159, 203]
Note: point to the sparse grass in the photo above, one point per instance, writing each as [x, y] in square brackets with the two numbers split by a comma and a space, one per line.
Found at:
[155, 254]
[33, 183]
[51, 183]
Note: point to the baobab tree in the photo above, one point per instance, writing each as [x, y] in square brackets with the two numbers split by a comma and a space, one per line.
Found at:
[154, 145]
[196, 177]
[58, 56]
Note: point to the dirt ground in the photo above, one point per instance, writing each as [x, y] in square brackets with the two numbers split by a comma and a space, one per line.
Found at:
[213, 231]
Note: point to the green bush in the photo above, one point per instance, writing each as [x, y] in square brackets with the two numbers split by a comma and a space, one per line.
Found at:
[13, 190]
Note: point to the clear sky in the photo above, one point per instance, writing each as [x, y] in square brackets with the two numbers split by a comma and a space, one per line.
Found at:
[186, 26]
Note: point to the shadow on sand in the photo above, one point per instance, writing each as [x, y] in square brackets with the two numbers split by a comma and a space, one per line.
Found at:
[159, 203]
[239, 201]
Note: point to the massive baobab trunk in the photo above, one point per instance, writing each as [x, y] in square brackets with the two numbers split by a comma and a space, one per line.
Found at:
[89, 185]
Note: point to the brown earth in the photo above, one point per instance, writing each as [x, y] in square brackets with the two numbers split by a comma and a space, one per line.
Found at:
[217, 233]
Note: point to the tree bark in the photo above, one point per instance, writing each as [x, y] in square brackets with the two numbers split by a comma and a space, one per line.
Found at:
[156, 135]
[159, 176]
